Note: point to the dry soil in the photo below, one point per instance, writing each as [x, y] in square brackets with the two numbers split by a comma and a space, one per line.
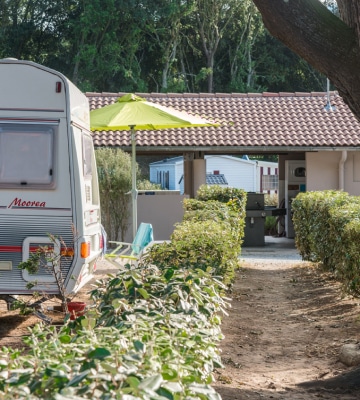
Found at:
[287, 324]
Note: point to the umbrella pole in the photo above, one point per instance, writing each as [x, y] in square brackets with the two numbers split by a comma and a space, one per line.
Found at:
[133, 170]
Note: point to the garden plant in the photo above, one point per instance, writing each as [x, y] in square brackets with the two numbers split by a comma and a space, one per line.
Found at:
[153, 329]
[327, 227]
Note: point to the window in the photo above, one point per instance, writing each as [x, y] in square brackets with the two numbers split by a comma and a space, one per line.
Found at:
[87, 155]
[300, 172]
[163, 177]
[270, 182]
[26, 154]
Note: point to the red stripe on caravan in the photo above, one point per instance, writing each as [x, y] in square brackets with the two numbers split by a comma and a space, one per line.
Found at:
[16, 249]
[10, 249]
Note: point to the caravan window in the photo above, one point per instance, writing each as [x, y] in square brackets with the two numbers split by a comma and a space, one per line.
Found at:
[87, 155]
[26, 154]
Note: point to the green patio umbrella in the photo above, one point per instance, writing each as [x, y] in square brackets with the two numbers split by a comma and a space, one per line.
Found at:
[131, 112]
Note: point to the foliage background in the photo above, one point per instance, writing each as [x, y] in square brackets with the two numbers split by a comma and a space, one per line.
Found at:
[154, 45]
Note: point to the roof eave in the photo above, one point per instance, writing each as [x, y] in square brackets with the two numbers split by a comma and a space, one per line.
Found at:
[236, 149]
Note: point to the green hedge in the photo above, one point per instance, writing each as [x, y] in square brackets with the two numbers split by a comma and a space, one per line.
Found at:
[153, 330]
[311, 219]
[210, 235]
[345, 233]
[327, 230]
[224, 195]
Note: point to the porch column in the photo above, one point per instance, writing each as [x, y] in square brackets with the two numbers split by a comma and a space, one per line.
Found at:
[188, 174]
[194, 172]
[199, 171]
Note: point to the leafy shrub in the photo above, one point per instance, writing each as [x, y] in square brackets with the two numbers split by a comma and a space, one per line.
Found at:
[153, 330]
[224, 195]
[207, 245]
[345, 235]
[213, 210]
[327, 226]
[311, 218]
[114, 173]
[152, 335]
[115, 181]
[271, 199]
[210, 235]
[270, 225]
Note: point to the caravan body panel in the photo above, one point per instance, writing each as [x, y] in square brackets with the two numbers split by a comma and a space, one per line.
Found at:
[48, 178]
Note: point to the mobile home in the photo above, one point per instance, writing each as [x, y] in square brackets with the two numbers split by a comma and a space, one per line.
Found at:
[48, 179]
[238, 172]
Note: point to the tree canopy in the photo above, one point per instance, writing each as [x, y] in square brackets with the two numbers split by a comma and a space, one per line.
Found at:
[154, 45]
[329, 42]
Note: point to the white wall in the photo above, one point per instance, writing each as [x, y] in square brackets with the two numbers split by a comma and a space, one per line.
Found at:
[239, 173]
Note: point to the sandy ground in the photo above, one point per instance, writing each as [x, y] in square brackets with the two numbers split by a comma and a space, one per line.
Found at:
[13, 327]
[286, 326]
[285, 329]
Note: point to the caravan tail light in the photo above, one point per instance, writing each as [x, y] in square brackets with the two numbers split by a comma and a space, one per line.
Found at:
[101, 242]
[67, 252]
[58, 87]
[85, 249]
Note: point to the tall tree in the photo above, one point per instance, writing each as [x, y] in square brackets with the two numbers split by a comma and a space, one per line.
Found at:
[29, 29]
[103, 38]
[164, 26]
[213, 18]
[240, 44]
[329, 43]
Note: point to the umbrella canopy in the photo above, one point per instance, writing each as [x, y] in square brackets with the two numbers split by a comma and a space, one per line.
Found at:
[131, 112]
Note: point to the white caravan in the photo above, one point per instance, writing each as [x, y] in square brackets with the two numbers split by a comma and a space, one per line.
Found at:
[48, 179]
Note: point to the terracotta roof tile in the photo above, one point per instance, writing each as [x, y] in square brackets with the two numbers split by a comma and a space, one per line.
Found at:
[248, 120]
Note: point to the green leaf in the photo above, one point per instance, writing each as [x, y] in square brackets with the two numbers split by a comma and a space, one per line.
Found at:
[88, 323]
[19, 380]
[203, 389]
[78, 378]
[173, 387]
[53, 372]
[133, 381]
[169, 273]
[166, 393]
[139, 346]
[143, 293]
[169, 374]
[65, 339]
[151, 383]
[99, 353]
[109, 368]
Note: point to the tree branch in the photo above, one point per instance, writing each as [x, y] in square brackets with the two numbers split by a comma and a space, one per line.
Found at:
[309, 29]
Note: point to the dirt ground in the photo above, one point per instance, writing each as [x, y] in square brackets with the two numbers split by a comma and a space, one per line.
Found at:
[283, 335]
[13, 327]
[284, 332]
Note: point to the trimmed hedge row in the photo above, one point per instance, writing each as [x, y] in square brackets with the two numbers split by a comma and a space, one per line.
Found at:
[153, 331]
[210, 235]
[327, 227]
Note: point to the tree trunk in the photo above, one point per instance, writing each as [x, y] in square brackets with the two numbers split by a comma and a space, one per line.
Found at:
[326, 42]
[350, 14]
